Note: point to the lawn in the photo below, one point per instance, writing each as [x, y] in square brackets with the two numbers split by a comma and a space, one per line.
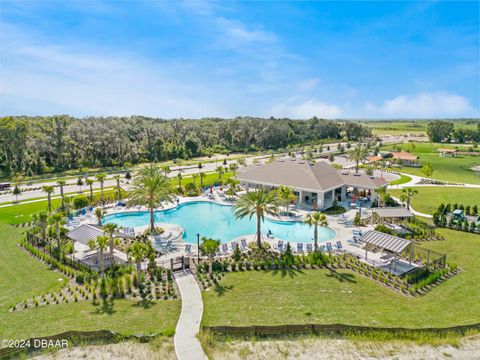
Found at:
[403, 180]
[23, 276]
[323, 296]
[397, 127]
[430, 197]
[457, 169]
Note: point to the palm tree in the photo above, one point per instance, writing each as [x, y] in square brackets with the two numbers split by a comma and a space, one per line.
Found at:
[137, 252]
[358, 154]
[407, 193]
[101, 178]
[57, 220]
[286, 196]
[42, 220]
[99, 213]
[179, 177]
[151, 189]
[89, 182]
[233, 167]
[202, 175]
[382, 196]
[316, 219]
[220, 172]
[119, 190]
[257, 202]
[232, 186]
[194, 177]
[209, 247]
[49, 190]
[110, 229]
[100, 243]
[166, 169]
[62, 183]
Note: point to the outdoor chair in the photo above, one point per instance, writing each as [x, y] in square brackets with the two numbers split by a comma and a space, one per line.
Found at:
[329, 247]
[279, 246]
[300, 248]
[225, 248]
[322, 248]
[309, 248]
[339, 245]
[244, 244]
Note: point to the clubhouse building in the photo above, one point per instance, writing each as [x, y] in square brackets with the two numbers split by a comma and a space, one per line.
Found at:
[316, 184]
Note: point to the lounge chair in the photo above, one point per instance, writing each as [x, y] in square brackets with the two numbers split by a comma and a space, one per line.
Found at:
[280, 246]
[322, 248]
[300, 248]
[329, 246]
[188, 249]
[339, 245]
[233, 245]
[243, 242]
[309, 248]
[225, 248]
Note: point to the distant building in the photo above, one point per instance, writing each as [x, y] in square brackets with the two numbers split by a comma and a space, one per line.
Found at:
[447, 152]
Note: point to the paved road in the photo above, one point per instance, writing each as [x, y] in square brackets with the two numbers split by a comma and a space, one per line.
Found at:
[187, 346]
[71, 186]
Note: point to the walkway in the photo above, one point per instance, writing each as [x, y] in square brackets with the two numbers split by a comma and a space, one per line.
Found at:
[187, 346]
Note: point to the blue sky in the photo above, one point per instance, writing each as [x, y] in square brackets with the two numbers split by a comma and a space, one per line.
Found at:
[194, 59]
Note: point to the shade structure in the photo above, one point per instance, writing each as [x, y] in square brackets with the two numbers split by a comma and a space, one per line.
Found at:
[385, 241]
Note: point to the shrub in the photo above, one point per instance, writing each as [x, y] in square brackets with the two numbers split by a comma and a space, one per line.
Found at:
[384, 229]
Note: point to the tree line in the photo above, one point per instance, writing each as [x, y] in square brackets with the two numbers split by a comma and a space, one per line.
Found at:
[445, 131]
[36, 145]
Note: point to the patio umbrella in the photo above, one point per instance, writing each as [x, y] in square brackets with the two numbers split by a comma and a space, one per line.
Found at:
[220, 186]
[211, 189]
[314, 204]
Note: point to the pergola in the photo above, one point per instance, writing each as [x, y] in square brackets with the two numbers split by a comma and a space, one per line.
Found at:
[392, 213]
[390, 243]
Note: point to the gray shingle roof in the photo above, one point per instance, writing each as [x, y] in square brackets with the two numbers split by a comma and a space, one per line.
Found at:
[385, 241]
[303, 174]
[84, 233]
[393, 212]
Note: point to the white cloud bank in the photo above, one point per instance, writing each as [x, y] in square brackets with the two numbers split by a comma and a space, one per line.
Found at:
[433, 104]
[308, 109]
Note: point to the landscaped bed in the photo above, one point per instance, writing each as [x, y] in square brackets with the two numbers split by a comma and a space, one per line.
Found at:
[342, 296]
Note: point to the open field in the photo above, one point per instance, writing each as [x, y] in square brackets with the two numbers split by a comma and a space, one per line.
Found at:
[430, 197]
[457, 169]
[414, 127]
[403, 180]
[323, 296]
[23, 276]
[344, 349]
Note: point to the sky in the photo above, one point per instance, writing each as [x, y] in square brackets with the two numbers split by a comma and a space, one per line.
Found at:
[192, 59]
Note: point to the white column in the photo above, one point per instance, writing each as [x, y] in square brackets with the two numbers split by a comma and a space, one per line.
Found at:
[344, 193]
[300, 197]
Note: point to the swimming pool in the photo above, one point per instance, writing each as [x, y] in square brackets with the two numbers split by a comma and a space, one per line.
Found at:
[218, 222]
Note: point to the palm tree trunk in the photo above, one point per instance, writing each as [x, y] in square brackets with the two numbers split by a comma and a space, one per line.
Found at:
[139, 270]
[356, 167]
[101, 260]
[91, 192]
[101, 189]
[259, 231]
[111, 249]
[408, 202]
[152, 220]
[315, 237]
[49, 199]
[210, 266]
[63, 198]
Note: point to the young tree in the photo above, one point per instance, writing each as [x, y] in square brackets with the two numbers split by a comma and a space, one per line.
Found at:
[179, 177]
[119, 189]
[316, 219]
[80, 183]
[427, 169]
[151, 189]
[209, 247]
[286, 196]
[16, 191]
[256, 203]
[48, 189]
[220, 172]
[233, 167]
[202, 176]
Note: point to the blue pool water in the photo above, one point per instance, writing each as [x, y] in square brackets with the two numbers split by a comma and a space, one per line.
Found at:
[217, 222]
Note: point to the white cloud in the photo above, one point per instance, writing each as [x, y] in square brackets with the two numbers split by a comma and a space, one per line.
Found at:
[433, 104]
[308, 84]
[237, 32]
[307, 109]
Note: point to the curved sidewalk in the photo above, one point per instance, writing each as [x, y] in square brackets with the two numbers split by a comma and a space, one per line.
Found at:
[187, 346]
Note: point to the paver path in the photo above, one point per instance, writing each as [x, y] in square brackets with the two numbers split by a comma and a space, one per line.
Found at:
[187, 346]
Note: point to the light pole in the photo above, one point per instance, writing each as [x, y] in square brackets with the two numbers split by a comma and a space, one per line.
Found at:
[198, 249]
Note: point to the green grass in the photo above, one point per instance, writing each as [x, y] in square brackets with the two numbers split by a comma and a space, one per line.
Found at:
[429, 197]
[457, 169]
[397, 127]
[23, 276]
[403, 180]
[321, 296]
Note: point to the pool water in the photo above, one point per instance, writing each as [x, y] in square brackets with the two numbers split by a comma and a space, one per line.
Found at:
[218, 222]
